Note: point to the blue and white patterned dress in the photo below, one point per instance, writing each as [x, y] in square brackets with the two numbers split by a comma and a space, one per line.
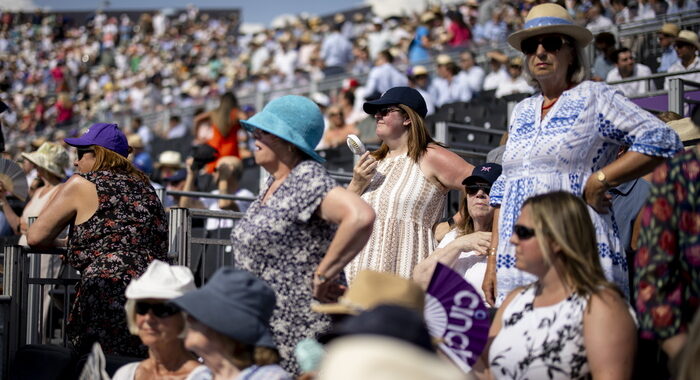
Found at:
[580, 135]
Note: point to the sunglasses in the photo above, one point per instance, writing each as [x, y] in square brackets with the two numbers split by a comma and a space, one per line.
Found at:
[522, 232]
[81, 152]
[385, 111]
[680, 45]
[160, 310]
[551, 44]
[474, 189]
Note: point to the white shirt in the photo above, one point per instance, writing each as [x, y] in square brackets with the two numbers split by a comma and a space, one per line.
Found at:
[513, 86]
[177, 131]
[469, 265]
[384, 77]
[444, 92]
[492, 79]
[633, 88]
[474, 78]
[678, 67]
[213, 205]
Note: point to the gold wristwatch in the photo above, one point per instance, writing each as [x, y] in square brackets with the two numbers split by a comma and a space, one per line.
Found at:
[601, 177]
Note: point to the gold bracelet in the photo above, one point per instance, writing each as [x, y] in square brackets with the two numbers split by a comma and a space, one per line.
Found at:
[492, 251]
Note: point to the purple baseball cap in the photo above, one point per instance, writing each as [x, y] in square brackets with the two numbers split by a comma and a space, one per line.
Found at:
[105, 135]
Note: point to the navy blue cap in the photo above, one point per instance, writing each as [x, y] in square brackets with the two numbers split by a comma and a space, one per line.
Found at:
[178, 176]
[105, 135]
[488, 172]
[398, 95]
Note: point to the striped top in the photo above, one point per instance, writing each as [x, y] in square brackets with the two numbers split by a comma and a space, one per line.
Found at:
[407, 205]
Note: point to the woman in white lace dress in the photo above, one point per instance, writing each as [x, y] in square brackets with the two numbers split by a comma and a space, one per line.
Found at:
[571, 323]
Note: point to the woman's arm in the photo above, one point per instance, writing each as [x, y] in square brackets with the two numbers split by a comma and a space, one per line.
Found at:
[610, 336]
[489, 284]
[446, 167]
[190, 202]
[629, 166]
[477, 241]
[12, 218]
[60, 211]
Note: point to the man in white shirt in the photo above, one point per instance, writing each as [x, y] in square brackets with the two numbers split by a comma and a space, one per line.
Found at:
[625, 68]
[687, 46]
[515, 84]
[498, 71]
[384, 75]
[448, 87]
[597, 22]
[471, 72]
[420, 80]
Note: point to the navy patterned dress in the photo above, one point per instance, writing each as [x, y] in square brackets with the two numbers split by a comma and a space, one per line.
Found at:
[126, 233]
[282, 241]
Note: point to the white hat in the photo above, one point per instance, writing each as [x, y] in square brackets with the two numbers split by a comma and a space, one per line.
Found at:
[371, 357]
[161, 281]
[321, 99]
[688, 36]
[170, 158]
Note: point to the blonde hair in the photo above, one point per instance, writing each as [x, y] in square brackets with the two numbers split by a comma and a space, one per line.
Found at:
[106, 159]
[563, 217]
[221, 116]
[418, 137]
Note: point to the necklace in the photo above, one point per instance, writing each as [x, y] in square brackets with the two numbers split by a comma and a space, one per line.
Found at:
[550, 104]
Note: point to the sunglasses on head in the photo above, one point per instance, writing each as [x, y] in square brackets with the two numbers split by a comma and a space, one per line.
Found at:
[522, 232]
[81, 152]
[551, 44]
[385, 111]
[160, 310]
[474, 189]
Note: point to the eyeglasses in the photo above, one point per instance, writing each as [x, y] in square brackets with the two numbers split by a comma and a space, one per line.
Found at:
[679, 45]
[81, 152]
[474, 189]
[385, 111]
[551, 44]
[664, 35]
[522, 232]
[160, 310]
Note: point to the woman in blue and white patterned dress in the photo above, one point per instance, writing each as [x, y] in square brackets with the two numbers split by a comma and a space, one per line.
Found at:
[303, 228]
[566, 138]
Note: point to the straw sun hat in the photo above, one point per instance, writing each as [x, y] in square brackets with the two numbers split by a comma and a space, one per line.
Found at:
[50, 156]
[550, 18]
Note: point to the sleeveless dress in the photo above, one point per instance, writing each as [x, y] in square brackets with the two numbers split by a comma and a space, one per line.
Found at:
[126, 233]
[540, 343]
[407, 205]
[282, 241]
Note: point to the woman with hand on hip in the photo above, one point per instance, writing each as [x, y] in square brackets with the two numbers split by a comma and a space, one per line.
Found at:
[406, 182]
[303, 228]
[567, 138]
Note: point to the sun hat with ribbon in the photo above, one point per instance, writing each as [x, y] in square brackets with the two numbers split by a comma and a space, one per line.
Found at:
[50, 156]
[370, 289]
[235, 303]
[293, 118]
[550, 18]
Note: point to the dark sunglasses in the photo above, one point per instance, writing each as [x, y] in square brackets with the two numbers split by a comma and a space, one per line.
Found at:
[81, 152]
[160, 310]
[551, 44]
[385, 111]
[473, 189]
[522, 232]
[680, 45]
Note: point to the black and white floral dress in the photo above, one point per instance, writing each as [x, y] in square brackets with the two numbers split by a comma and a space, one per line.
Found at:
[542, 342]
[282, 241]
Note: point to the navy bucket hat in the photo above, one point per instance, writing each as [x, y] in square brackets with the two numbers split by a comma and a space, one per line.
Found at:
[105, 135]
[292, 118]
[235, 303]
[407, 96]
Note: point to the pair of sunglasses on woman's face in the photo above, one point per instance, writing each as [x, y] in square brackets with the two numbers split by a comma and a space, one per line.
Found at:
[551, 44]
[522, 232]
[160, 310]
[474, 189]
[82, 152]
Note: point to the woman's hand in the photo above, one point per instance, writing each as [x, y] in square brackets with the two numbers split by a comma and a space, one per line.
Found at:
[489, 283]
[362, 173]
[327, 290]
[476, 241]
[595, 193]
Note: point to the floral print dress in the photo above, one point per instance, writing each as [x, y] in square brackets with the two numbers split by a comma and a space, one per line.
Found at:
[667, 263]
[282, 241]
[126, 233]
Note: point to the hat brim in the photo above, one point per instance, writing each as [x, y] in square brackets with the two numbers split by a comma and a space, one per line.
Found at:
[687, 41]
[207, 307]
[581, 35]
[33, 158]
[473, 179]
[266, 122]
[78, 141]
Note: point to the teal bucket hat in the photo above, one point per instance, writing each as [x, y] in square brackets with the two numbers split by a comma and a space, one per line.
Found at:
[292, 118]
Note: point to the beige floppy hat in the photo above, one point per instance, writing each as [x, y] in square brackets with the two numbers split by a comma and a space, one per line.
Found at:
[370, 289]
[550, 18]
[50, 156]
[670, 29]
[687, 130]
[688, 37]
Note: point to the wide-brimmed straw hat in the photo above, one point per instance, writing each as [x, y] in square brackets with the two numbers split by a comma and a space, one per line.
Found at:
[550, 18]
[50, 156]
[294, 119]
[371, 289]
[688, 37]
[670, 29]
[688, 131]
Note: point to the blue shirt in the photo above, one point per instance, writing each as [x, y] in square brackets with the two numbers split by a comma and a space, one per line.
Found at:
[336, 50]
[668, 58]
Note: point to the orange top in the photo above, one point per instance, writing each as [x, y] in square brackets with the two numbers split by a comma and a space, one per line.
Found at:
[225, 145]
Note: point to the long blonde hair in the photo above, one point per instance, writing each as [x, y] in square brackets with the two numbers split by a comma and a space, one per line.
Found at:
[563, 218]
[418, 137]
[221, 116]
[106, 159]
